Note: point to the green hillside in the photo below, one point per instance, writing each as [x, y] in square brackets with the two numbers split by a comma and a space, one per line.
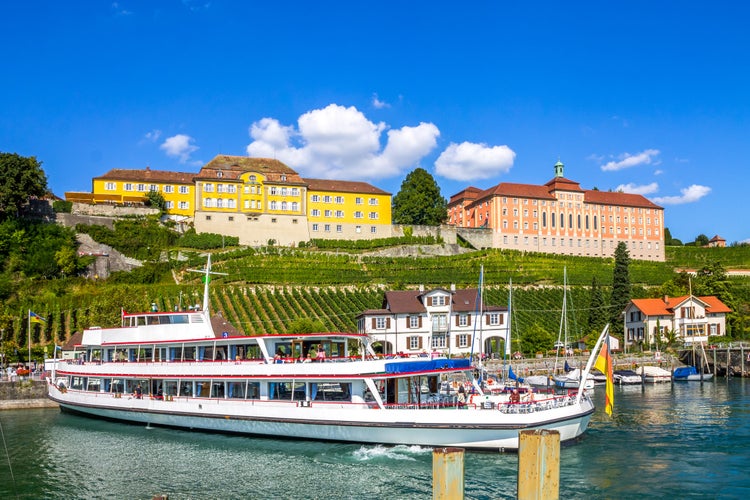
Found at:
[266, 290]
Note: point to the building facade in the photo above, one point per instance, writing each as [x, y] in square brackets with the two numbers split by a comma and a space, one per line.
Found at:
[692, 319]
[259, 200]
[124, 186]
[561, 217]
[347, 210]
[450, 322]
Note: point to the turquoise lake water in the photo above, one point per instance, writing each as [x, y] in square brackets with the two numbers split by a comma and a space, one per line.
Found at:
[687, 440]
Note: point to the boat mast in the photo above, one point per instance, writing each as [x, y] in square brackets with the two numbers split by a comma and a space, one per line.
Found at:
[481, 313]
[206, 279]
[506, 354]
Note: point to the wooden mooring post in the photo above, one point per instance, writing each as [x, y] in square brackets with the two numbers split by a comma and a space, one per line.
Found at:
[448, 473]
[539, 465]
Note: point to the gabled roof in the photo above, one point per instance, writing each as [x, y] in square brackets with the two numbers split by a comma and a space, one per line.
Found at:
[563, 184]
[147, 175]
[412, 301]
[660, 307]
[232, 167]
[221, 325]
[73, 341]
[470, 193]
[342, 186]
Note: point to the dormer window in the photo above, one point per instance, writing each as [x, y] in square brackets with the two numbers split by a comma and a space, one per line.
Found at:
[219, 174]
[283, 177]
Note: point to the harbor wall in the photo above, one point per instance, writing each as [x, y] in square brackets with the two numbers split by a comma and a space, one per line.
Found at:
[24, 394]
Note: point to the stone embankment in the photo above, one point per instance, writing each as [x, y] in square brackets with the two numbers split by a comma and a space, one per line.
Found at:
[24, 394]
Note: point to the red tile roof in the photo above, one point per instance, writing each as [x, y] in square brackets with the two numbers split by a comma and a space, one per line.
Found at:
[658, 307]
[617, 198]
[342, 186]
[147, 175]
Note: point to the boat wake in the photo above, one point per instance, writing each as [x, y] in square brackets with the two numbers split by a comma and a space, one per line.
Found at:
[401, 452]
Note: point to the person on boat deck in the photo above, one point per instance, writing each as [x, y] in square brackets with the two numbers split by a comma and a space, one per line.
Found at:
[138, 393]
[515, 397]
[461, 396]
[321, 356]
[160, 394]
[308, 359]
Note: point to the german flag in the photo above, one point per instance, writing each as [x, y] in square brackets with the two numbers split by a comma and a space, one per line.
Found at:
[604, 365]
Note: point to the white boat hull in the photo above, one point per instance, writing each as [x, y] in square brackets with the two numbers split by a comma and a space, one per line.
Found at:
[489, 429]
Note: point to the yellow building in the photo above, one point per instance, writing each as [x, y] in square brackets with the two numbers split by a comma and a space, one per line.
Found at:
[347, 210]
[126, 186]
[262, 200]
[259, 200]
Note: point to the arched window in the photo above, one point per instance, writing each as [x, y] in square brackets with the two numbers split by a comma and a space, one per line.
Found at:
[544, 219]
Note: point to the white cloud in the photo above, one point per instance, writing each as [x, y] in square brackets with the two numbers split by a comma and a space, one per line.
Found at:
[179, 146]
[688, 195]
[152, 136]
[658, 171]
[337, 142]
[470, 161]
[378, 104]
[635, 189]
[120, 11]
[626, 160]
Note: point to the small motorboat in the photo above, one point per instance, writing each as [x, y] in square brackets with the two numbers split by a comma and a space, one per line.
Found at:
[626, 377]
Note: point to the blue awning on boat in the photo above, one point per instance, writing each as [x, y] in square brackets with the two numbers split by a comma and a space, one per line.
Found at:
[427, 364]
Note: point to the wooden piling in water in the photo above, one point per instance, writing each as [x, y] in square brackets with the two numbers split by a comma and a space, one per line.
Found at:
[538, 465]
[448, 473]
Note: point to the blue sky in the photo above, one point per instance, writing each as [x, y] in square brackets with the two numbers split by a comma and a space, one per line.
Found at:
[647, 97]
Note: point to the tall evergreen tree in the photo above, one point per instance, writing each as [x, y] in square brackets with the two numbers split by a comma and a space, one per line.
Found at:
[419, 201]
[620, 287]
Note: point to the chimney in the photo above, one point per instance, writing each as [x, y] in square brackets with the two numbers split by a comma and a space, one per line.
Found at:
[421, 288]
[666, 300]
[453, 287]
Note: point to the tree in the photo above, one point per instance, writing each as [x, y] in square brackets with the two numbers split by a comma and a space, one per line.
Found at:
[419, 201]
[536, 339]
[20, 179]
[620, 287]
[701, 240]
[155, 199]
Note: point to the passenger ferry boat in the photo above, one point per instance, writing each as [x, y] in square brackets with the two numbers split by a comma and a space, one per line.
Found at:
[173, 369]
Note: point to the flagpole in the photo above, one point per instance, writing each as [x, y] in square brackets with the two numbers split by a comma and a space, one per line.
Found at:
[28, 318]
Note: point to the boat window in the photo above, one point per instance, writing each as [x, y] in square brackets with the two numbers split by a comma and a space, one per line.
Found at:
[202, 388]
[179, 319]
[236, 390]
[77, 383]
[337, 350]
[152, 320]
[186, 388]
[217, 390]
[117, 385]
[164, 320]
[253, 390]
[141, 320]
[170, 388]
[188, 354]
[94, 384]
[333, 391]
